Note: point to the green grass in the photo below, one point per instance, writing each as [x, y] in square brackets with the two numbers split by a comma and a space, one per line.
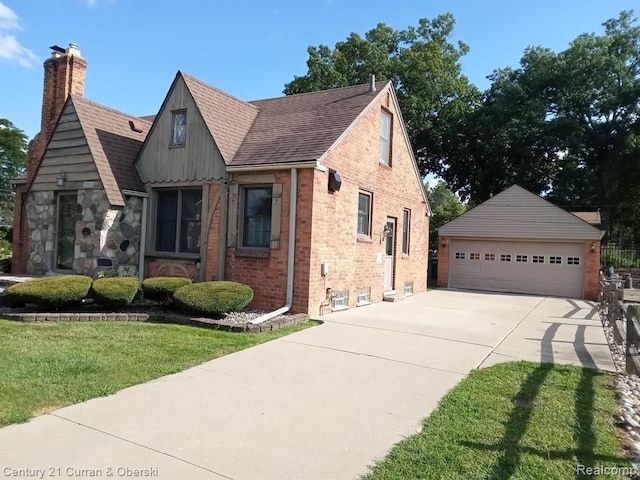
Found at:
[516, 420]
[48, 365]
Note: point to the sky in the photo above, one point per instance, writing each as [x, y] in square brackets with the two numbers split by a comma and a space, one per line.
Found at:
[250, 48]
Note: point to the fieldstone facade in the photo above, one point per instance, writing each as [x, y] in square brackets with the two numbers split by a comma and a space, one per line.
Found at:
[106, 238]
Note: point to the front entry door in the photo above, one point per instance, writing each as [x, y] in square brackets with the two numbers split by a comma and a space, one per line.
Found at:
[65, 244]
[389, 252]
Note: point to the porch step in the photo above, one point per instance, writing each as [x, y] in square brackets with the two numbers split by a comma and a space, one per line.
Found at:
[393, 298]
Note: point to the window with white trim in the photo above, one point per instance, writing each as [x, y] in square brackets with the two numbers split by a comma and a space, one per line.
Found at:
[340, 299]
[573, 260]
[555, 260]
[537, 259]
[489, 257]
[522, 258]
[179, 128]
[363, 296]
[474, 256]
[505, 257]
[460, 255]
[386, 120]
[364, 213]
[177, 228]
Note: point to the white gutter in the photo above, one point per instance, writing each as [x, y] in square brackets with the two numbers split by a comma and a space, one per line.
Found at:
[143, 230]
[290, 253]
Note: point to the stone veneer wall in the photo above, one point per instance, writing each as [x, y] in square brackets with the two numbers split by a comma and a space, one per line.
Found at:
[107, 238]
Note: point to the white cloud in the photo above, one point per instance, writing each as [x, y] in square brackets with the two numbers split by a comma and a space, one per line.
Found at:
[10, 49]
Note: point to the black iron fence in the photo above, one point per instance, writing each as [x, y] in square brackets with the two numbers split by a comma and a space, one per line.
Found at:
[615, 256]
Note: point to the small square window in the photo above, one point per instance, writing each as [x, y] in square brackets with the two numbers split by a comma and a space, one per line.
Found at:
[474, 256]
[573, 260]
[489, 257]
[555, 260]
[460, 255]
[179, 128]
[364, 213]
[408, 288]
[363, 296]
[505, 257]
[522, 258]
[340, 300]
[537, 258]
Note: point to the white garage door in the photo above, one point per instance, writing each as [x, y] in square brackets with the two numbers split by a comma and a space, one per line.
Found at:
[522, 267]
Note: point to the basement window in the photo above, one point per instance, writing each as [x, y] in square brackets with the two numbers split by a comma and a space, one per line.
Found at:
[340, 300]
[364, 296]
[408, 288]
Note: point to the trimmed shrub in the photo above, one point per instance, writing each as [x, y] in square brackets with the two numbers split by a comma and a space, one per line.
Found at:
[213, 298]
[50, 292]
[115, 291]
[161, 289]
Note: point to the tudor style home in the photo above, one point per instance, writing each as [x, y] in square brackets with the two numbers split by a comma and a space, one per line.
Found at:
[314, 200]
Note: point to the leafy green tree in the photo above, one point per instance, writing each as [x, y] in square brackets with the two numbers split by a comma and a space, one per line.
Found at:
[421, 62]
[445, 206]
[13, 158]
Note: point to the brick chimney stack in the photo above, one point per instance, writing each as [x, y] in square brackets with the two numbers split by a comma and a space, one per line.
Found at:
[64, 73]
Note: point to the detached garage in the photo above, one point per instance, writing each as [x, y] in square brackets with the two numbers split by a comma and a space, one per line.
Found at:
[518, 242]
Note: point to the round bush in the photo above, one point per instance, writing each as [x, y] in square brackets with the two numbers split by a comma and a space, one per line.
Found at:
[50, 292]
[161, 289]
[213, 298]
[115, 291]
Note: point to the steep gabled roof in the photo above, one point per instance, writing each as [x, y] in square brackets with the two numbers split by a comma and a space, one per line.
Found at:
[113, 144]
[516, 213]
[303, 127]
[227, 117]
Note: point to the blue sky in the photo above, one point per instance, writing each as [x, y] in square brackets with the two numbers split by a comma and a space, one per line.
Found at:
[249, 48]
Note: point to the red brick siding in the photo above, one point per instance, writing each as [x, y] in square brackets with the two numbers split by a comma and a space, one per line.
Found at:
[591, 270]
[352, 263]
[443, 261]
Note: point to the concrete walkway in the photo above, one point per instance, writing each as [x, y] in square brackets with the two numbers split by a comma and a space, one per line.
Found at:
[324, 403]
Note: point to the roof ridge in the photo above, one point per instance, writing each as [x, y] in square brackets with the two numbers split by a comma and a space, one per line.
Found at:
[379, 82]
[75, 98]
[226, 94]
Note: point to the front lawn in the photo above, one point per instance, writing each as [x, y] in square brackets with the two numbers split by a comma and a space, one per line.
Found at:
[44, 366]
[516, 420]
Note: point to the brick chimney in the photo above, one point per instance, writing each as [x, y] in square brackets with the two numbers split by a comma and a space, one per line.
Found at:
[64, 73]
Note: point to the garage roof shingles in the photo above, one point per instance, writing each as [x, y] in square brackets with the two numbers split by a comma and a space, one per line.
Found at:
[113, 144]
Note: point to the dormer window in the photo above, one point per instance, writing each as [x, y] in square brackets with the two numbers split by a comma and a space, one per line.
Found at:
[179, 128]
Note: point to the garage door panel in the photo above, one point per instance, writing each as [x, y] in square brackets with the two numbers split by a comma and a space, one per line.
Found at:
[483, 267]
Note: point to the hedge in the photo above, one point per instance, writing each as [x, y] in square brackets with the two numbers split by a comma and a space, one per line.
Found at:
[213, 298]
[50, 292]
[161, 289]
[114, 291]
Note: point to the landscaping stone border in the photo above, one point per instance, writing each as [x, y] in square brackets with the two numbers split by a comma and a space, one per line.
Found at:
[159, 317]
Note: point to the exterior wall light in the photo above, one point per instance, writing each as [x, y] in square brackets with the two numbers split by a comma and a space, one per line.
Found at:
[593, 247]
[61, 179]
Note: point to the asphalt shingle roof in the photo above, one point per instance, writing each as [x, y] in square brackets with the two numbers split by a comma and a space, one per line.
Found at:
[114, 145]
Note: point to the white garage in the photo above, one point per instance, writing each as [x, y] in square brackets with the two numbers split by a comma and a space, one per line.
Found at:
[518, 242]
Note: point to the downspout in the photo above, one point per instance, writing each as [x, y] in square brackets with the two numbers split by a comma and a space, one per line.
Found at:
[293, 199]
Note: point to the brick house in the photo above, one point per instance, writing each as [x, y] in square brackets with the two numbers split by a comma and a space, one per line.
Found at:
[315, 200]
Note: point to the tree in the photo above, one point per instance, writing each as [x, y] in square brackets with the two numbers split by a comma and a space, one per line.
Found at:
[445, 206]
[13, 158]
[420, 61]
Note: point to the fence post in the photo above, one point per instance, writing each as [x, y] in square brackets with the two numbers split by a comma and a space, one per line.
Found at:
[632, 339]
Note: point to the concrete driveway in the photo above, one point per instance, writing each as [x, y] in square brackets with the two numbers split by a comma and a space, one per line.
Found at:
[324, 403]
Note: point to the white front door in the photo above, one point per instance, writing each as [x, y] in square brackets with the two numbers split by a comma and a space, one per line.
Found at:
[389, 251]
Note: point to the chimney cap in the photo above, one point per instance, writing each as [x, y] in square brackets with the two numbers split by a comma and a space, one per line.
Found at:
[58, 49]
